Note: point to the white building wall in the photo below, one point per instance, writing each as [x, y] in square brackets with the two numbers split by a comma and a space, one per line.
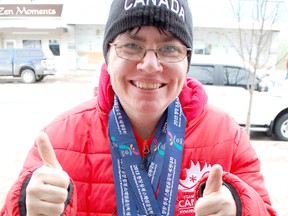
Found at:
[89, 39]
[68, 49]
[224, 44]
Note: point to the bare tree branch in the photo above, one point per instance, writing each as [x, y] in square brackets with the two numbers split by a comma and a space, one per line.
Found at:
[254, 37]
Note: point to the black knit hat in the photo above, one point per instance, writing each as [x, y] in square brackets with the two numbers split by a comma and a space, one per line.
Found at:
[171, 15]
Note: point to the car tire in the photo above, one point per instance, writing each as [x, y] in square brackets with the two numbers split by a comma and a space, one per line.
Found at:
[28, 76]
[281, 128]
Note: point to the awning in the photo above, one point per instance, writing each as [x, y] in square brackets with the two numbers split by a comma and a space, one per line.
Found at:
[32, 24]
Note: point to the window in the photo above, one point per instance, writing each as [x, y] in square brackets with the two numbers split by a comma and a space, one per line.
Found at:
[54, 47]
[9, 43]
[235, 76]
[203, 49]
[203, 73]
[32, 44]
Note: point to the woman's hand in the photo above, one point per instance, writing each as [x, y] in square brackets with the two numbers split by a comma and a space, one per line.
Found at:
[47, 190]
[217, 198]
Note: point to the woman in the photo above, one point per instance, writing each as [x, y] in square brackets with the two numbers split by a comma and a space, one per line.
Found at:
[148, 144]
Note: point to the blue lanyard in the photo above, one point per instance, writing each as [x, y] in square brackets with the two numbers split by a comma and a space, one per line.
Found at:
[136, 186]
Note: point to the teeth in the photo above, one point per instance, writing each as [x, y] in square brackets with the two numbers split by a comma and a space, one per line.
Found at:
[147, 85]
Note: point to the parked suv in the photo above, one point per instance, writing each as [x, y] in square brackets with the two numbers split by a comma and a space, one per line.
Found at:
[226, 86]
[30, 64]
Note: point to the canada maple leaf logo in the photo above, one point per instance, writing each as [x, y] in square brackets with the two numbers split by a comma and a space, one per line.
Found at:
[193, 175]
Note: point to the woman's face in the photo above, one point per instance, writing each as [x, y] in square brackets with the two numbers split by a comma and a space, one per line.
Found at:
[148, 85]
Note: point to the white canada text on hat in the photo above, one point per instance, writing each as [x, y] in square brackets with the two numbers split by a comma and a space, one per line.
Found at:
[172, 5]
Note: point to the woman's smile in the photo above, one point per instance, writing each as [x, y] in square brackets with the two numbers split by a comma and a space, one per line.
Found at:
[147, 86]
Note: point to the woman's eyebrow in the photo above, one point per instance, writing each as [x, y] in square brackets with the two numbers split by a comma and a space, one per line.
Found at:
[169, 38]
[135, 36]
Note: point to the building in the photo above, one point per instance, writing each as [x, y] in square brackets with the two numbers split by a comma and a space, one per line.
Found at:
[73, 30]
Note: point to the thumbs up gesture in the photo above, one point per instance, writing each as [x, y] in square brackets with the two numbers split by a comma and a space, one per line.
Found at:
[47, 190]
[217, 198]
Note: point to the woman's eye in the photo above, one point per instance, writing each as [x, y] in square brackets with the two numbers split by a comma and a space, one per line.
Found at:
[131, 46]
[168, 49]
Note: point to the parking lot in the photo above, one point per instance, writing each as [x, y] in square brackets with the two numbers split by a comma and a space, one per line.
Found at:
[26, 108]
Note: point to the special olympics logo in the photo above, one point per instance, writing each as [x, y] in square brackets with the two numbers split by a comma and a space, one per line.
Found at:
[177, 142]
[159, 147]
[128, 150]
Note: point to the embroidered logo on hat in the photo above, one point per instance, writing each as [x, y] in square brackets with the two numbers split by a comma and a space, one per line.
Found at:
[173, 5]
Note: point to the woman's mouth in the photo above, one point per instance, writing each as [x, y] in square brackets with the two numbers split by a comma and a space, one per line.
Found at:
[148, 86]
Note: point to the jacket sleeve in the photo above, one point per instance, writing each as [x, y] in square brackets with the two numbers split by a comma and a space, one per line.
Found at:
[15, 199]
[245, 181]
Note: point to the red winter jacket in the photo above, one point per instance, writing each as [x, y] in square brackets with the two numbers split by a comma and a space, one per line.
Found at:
[81, 143]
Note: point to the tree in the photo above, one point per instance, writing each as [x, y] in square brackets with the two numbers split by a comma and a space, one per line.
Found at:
[257, 22]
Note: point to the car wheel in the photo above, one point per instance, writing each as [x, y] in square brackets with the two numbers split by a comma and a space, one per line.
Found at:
[28, 76]
[281, 128]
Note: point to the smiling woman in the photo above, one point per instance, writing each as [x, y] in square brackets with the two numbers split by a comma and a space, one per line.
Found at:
[149, 141]
[152, 71]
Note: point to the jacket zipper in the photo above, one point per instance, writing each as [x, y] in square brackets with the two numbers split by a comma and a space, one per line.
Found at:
[146, 151]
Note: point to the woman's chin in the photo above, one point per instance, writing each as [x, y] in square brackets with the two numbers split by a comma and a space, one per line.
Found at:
[150, 107]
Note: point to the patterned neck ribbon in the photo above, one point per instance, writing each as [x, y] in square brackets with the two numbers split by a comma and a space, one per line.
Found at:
[147, 186]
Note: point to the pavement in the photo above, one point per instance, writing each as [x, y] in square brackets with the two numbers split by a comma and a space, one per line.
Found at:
[274, 164]
[273, 154]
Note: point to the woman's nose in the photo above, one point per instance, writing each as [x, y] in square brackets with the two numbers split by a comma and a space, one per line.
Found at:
[150, 62]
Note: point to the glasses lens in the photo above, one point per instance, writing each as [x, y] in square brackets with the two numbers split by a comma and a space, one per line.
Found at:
[130, 51]
[172, 53]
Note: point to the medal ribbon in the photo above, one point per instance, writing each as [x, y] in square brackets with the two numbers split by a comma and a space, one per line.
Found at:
[136, 184]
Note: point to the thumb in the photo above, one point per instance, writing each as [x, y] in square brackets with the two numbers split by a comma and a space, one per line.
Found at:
[46, 151]
[214, 181]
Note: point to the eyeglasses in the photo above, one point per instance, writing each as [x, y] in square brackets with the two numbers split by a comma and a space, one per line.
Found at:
[166, 53]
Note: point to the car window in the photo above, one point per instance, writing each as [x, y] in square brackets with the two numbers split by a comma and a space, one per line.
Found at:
[203, 73]
[235, 76]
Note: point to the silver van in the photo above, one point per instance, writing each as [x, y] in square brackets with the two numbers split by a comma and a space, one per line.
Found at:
[226, 86]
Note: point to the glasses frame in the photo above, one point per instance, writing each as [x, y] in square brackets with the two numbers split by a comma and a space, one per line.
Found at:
[188, 49]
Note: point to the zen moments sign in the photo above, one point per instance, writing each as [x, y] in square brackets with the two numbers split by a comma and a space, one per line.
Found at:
[31, 10]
